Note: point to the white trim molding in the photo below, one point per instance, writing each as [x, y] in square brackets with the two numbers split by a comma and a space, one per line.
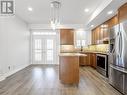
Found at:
[100, 9]
[3, 77]
[47, 26]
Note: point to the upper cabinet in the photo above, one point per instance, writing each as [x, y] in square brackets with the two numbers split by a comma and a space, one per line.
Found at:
[93, 36]
[96, 35]
[66, 36]
[122, 13]
[113, 21]
[100, 34]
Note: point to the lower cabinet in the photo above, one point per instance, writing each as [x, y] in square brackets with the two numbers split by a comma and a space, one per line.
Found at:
[116, 79]
[69, 69]
[89, 60]
[125, 82]
[93, 59]
[84, 60]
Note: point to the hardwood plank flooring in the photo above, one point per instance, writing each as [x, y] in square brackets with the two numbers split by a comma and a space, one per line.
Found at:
[44, 80]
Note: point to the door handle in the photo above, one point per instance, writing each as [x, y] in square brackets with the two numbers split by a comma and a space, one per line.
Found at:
[115, 45]
[121, 44]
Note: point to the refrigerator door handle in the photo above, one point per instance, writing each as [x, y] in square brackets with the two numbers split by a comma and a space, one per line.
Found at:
[121, 45]
[114, 48]
[118, 43]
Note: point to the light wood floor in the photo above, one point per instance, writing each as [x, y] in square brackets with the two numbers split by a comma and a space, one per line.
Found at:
[44, 80]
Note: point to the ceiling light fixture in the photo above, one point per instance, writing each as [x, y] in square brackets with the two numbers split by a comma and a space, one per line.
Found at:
[30, 9]
[55, 14]
[86, 10]
[92, 25]
[110, 12]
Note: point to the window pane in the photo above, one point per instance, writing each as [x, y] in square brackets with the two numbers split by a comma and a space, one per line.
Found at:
[38, 56]
[49, 44]
[37, 43]
[38, 51]
[44, 33]
[83, 42]
[49, 55]
[78, 43]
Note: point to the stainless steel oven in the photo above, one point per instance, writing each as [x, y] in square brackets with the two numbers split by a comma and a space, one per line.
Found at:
[102, 64]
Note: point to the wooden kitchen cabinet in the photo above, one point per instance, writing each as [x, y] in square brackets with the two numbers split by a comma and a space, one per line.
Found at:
[93, 37]
[101, 33]
[105, 30]
[96, 35]
[89, 60]
[69, 69]
[92, 59]
[122, 13]
[109, 24]
[84, 60]
[113, 21]
[66, 36]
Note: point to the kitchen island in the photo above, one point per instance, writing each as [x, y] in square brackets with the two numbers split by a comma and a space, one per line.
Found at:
[69, 67]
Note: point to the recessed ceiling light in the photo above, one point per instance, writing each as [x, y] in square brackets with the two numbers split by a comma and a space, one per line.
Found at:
[86, 10]
[92, 25]
[30, 9]
[110, 12]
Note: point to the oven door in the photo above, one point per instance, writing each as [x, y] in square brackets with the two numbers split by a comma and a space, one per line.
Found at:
[102, 64]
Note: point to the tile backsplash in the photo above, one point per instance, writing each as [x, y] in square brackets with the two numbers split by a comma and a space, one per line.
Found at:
[97, 48]
[94, 48]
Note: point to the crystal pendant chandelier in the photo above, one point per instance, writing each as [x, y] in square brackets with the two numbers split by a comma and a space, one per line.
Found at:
[55, 14]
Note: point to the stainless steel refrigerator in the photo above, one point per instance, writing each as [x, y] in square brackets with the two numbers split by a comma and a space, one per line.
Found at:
[118, 57]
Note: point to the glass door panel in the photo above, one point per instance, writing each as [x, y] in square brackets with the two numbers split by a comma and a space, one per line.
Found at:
[50, 49]
[44, 50]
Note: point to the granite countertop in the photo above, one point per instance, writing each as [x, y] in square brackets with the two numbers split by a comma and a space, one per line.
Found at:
[95, 52]
[72, 54]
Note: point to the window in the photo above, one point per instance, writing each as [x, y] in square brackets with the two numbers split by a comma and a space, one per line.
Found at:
[38, 56]
[80, 38]
[83, 42]
[50, 46]
[44, 33]
[38, 50]
[38, 44]
[80, 43]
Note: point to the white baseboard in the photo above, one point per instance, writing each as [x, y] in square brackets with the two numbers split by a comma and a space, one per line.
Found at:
[12, 72]
[2, 78]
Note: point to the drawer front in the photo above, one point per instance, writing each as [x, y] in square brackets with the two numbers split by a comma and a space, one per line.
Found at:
[125, 82]
[116, 79]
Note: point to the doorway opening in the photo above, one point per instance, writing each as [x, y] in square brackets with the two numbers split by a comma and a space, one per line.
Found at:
[45, 47]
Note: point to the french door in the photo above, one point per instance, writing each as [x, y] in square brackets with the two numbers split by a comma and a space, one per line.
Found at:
[44, 49]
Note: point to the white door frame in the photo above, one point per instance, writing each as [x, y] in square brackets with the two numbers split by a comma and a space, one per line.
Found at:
[57, 43]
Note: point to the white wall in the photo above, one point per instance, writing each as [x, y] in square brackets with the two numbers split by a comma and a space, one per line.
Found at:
[14, 45]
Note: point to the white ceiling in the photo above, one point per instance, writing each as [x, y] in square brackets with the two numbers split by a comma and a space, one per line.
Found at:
[72, 11]
[103, 16]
